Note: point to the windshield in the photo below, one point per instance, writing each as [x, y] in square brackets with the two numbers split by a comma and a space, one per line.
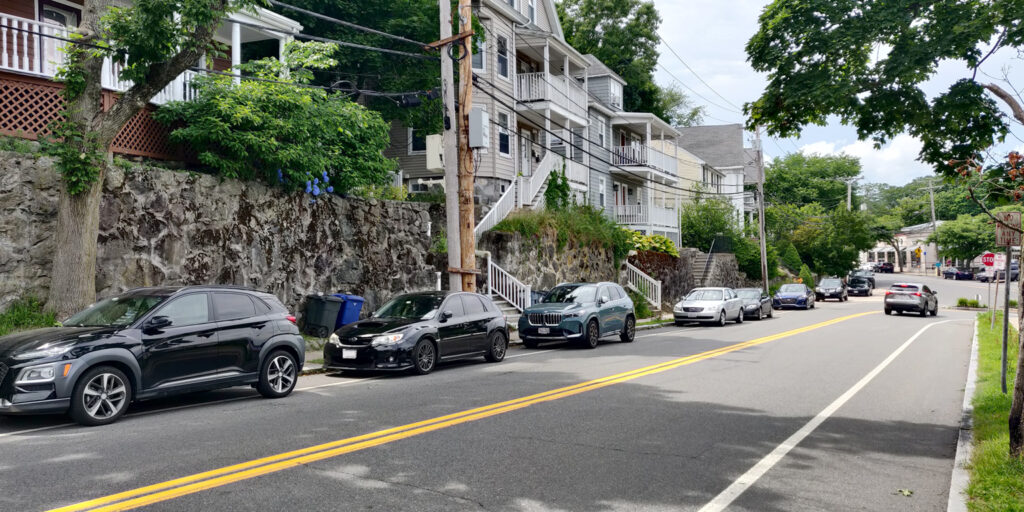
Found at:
[571, 293]
[858, 281]
[904, 287]
[748, 294]
[792, 288]
[831, 283]
[114, 312]
[411, 307]
[705, 295]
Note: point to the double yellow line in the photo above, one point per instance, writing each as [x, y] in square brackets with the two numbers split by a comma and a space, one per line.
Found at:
[201, 481]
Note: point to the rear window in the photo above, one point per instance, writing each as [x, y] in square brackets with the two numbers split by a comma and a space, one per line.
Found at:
[904, 288]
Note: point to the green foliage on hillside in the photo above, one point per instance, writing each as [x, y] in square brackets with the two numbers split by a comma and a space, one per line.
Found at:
[582, 224]
[806, 276]
[25, 313]
[655, 243]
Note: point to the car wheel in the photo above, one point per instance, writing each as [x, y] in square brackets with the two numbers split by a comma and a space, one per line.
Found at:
[899, 312]
[593, 335]
[528, 343]
[739, 316]
[496, 347]
[629, 331]
[888, 311]
[278, 375]
[100, 397]
[721, 319]
[771, 313]
[760, 314]
[924, 311]
[870, 292]
[424, 357]
[812, 304]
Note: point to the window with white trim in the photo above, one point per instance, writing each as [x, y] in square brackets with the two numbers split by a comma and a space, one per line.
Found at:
[615, 91]
[479, 55]
[417, 142]
[600, 192]
[503, 57]
[602, 128]
[531, 10]
[504, 138]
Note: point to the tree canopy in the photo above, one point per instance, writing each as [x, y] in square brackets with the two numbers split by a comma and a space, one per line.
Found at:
[799, 179]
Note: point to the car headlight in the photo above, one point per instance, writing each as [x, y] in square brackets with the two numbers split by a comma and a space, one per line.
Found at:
[386, 340]
[575, 314]
[46, 351]
[678, 306]
[334, 340]
[36, 374]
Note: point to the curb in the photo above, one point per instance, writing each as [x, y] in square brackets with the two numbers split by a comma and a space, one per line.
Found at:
[964, 446]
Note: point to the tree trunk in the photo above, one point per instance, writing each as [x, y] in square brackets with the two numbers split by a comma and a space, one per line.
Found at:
[1017, 406]
[73, 278]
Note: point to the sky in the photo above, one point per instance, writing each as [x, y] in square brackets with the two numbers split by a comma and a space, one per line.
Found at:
[710, 35]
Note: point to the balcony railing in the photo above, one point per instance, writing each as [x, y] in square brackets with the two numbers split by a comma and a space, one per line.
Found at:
[577, 172]
[562, 91]
[26, 47]
[644, 156]
[642, 216]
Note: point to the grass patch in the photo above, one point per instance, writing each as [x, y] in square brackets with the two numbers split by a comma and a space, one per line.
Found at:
[17, 145]
[583, 225]
[970, 303]
[25, 313]
[997, 481]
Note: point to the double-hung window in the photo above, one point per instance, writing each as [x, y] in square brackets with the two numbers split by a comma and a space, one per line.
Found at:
[503, 57]
[504, 137]
[600, 192]
[601, 126]
[531, 10]
[479, 55]
[417, 142]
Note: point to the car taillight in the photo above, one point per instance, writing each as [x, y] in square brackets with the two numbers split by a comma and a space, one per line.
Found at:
[291, 318]
[917, 294]
[888, 292]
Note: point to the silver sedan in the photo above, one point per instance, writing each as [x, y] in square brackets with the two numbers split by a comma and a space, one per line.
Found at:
[712, 305]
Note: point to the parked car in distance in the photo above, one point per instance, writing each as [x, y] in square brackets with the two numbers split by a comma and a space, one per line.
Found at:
[993, 274]
[859, 286]
[958, 274]
[717, 305]
[756, 303]
[885, 267]
[866, 274]
[147, 343]
[912, 297]
[831, 288]
[418, 330]
[793, 295]
[579, 312]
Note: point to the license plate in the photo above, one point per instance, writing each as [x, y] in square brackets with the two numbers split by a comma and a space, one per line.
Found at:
[544, 330]
[348, 353]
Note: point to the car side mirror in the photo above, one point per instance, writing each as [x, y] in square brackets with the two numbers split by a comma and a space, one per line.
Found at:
[446, 315]
[157, 322]
[602, 300]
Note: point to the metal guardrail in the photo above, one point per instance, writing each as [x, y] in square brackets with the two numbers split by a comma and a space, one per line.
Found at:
[644, 284]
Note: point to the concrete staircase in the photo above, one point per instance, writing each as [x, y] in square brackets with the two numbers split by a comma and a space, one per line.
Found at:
[699, 264]
[511, 313]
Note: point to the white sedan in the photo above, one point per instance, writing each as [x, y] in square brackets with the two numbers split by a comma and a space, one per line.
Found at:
[717, 305]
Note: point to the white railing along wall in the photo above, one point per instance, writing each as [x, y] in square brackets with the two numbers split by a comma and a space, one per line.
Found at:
[504, 206]
[506, 286]
[531, 87]
[632, 214]
[531, 185]
[642, 215]
[645, 285]
[563, 91]
[26, 45]
[646, 156]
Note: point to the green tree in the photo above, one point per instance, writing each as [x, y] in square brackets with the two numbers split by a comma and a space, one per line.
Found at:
[704, 219]
[790, 256]
[800, 179]
[678, 109]
[807, 276]
[557, 195]
[964, 238]
[154, 42]
[281, 133]
[623, 34]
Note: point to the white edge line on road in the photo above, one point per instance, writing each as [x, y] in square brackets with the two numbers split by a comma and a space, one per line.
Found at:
[30, 430]
[964, 447]
[746, 480]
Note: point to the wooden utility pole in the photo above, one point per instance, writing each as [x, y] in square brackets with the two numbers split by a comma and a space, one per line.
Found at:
[450, 141]
[760, 208]
[466, 210]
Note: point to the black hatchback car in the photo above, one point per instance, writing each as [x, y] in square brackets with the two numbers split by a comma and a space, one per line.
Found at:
[147, 343]
[418, 330]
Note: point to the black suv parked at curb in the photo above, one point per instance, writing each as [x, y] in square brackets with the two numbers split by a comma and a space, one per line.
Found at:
[148, 343]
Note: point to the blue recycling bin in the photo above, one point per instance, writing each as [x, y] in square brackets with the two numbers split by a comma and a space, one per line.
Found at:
[349, 310]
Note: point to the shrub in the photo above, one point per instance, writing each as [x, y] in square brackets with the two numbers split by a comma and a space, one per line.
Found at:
[748, 257]
[385, 192]
[790, 256]
[640, 305]
[25, 313]
[806, 276]
[961, 302]
[1013, 303]
[582, 224]
[16, 145]
[556, 196]
[656, 243]
[281, 133]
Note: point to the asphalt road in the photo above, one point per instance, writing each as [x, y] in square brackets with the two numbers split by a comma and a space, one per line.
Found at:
[837, 408]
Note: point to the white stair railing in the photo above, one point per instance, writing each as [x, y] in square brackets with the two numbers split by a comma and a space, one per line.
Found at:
[504, 285]
[532, 184]
[644, 284]
[504, 206]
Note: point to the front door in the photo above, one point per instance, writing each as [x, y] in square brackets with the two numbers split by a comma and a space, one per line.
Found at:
[525, 152]
[186, 349]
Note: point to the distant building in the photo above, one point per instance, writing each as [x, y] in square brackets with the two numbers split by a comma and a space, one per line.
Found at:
[721, 147]
[917, 253]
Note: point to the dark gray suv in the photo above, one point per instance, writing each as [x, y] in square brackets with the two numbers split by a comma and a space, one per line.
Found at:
[581, 312]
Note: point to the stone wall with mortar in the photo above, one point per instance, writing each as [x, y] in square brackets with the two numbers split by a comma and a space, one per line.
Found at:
[160, 227]
[542, 264]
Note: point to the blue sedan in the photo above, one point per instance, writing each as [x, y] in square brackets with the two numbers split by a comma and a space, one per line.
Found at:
[793, 296]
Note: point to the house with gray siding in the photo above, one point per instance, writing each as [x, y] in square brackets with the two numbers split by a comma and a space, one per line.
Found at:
[721, 146]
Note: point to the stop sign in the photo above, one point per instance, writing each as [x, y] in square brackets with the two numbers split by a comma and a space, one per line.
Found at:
[988, 259]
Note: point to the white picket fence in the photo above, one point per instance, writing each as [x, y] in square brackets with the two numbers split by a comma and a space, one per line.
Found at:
[504, 285]
[504, 206]
[645, 285]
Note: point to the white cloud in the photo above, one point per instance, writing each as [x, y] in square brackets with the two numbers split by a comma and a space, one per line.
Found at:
[895, 163]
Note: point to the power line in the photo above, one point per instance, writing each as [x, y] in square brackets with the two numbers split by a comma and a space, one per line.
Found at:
[727, 109]
[695, 73]
[333, 41]
[346, 23]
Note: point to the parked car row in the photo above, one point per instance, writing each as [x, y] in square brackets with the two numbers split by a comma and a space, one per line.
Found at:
[992, 274]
